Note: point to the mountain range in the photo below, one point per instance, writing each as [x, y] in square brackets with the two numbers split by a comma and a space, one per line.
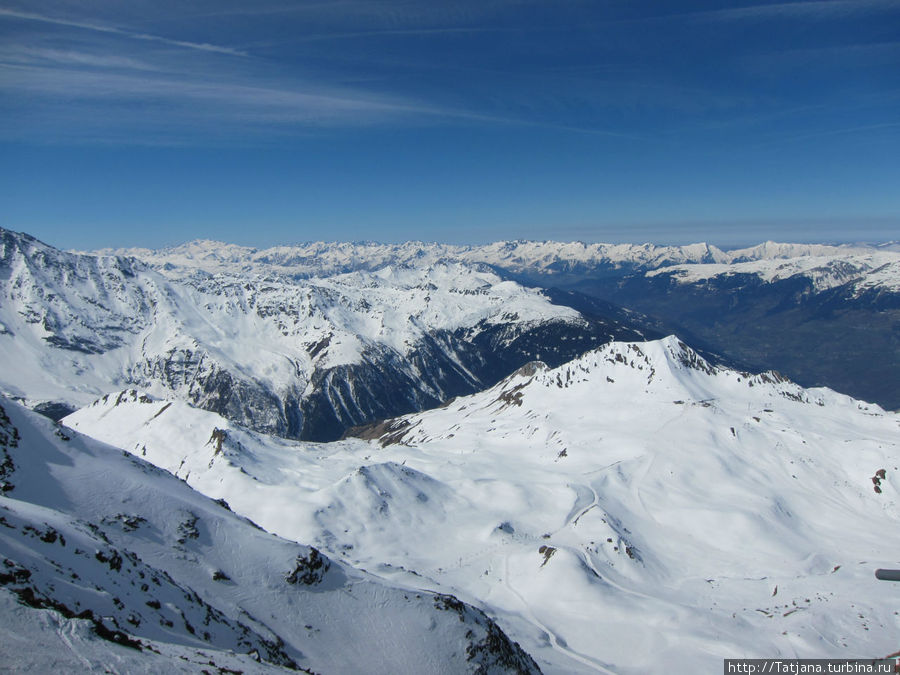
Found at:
[424, 458]
[528, 259]
[788, 307]
[302, 358]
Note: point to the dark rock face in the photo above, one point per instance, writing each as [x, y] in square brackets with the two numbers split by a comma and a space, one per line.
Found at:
[205, 384]
[9, 439]
[309, 569]
[493, 651]
[55, 410]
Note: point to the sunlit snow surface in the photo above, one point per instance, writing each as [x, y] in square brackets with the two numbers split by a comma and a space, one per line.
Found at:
[633, 508]
[108, 564]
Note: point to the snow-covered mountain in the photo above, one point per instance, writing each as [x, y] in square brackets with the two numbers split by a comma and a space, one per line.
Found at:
[775, 305]
[303, 359]
[857, 269]
[530, 259]
[632, 507]
[823, 319]
[859, 272]
[612, 506]
[109, 564]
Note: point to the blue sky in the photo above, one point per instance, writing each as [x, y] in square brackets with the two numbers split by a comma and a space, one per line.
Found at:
[151, 122]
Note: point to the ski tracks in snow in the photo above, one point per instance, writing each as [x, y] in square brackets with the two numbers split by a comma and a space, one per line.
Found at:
[558, 643]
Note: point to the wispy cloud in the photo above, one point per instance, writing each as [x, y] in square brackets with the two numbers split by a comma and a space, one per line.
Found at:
[194, 104]
[112, 30]
[843, 131]
[868, 52]
[382, 13]
[72, 88]
[63, 88]
[407, 32]
[811, 9]
[229, 99]
[541, 73]
[25, 55]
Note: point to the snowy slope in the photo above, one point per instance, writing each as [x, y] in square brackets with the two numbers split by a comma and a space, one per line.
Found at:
[632, 507]
[109, 563]
[296, 358]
